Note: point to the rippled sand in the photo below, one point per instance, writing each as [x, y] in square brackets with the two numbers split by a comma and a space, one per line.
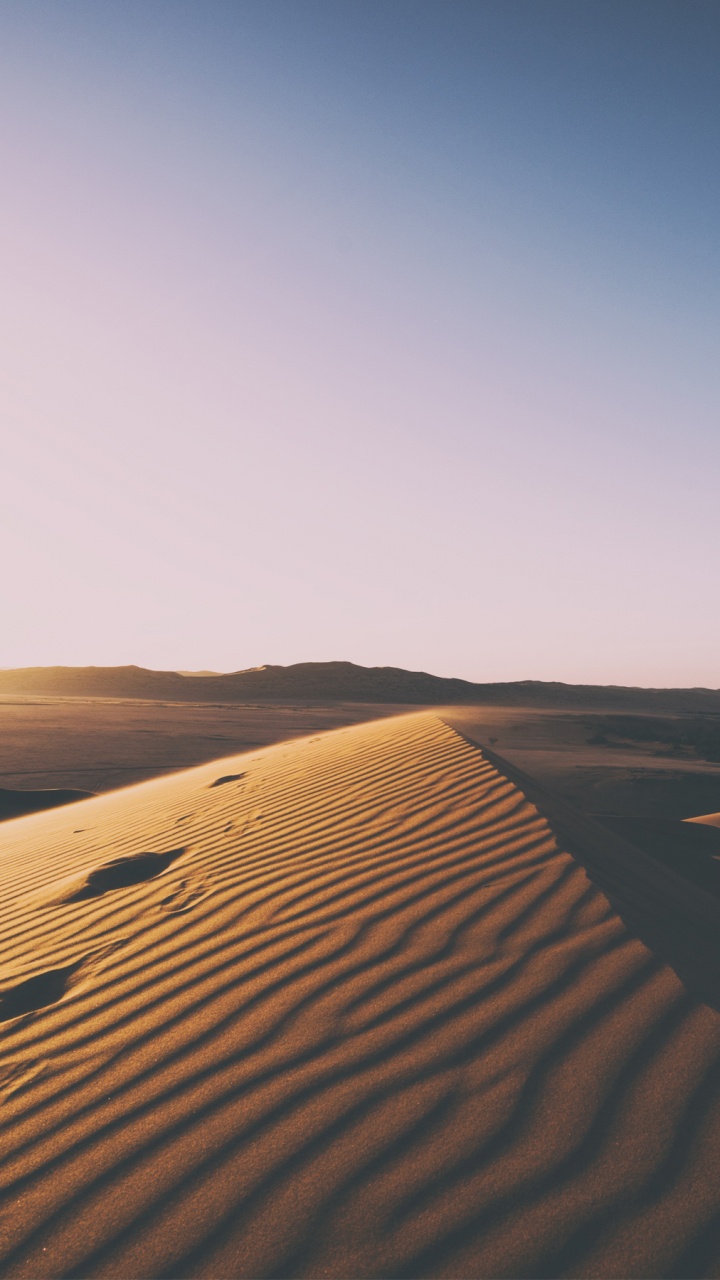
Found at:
[341, 1007]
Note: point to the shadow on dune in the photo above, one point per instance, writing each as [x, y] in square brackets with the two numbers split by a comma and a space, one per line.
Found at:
[670, 899]
[16, 804]
[121, 873]
[36, 992]
[691, 849]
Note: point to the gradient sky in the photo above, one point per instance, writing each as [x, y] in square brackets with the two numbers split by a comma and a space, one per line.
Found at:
[379, 330]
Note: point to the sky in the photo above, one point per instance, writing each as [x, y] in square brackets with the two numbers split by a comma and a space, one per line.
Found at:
[372, 330]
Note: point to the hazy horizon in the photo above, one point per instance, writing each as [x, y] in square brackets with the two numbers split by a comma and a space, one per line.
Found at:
[444, 675]
[383, 331]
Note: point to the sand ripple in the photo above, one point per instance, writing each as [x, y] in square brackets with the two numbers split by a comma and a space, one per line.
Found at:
[362, 1017]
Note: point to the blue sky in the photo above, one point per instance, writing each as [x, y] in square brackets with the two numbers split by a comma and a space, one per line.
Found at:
[378, 331]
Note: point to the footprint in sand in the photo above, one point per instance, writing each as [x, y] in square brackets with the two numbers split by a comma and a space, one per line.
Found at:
[36, 992]
[118, 873]
[42, 989]
[185, 896]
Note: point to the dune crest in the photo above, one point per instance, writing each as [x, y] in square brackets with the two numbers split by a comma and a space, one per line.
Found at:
[340, 1007]
[707, 819]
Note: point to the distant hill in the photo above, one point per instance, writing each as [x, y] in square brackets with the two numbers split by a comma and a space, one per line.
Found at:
[321, 682]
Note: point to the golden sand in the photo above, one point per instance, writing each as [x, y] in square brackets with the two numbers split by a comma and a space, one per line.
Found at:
[340, 1007]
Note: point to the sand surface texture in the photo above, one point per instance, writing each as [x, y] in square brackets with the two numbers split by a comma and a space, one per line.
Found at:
[341, 1007]
[100, 744]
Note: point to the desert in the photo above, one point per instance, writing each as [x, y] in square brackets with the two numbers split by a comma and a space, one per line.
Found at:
[359, 678]
[362, 999]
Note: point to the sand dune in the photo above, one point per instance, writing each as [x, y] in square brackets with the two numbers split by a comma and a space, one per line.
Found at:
[99, 744]
[345, 1007]
[707, 819]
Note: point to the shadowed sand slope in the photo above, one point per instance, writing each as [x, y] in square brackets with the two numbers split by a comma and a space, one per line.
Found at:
[14, 803]
[340, 1007]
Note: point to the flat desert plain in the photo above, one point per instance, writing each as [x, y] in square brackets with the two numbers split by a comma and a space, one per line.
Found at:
[372, 1001]
[102, 743]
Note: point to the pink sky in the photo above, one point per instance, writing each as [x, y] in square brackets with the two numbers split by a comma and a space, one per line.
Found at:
[282, 380]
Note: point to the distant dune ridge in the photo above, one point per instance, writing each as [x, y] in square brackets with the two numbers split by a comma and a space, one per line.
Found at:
[340, 681]
[347, 1006]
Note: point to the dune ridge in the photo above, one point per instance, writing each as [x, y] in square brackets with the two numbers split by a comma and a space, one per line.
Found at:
[706, 819]
[347, 1008]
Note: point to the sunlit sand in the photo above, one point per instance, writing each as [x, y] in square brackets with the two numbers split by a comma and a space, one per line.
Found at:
[341, 1007]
